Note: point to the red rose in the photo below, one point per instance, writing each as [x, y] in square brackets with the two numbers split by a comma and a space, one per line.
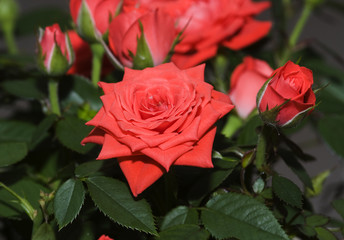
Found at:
[104, 237]
[55, 51]
[92, 17]
[212, 23]
[156, 118]
[83, 57]
[291, 89]
[159, 34]
[209, 24]
[246, 80]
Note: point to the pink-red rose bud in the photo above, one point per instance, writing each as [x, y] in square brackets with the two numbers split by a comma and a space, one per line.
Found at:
[104, 237]
[92, 17]
[287, 96]
[55, 52]
[142, 40]
[246, 80]
[155, 118]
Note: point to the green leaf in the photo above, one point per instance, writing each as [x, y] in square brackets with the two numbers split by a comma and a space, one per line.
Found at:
[239, 216]
[70, 131]
[185, 231]
[12, 152]
[287, 191]
[88, 168]
[338, 204]
[16, 131]
[316, 220]
[44, 232]
[324, 234]
[296, 167]
[68, 201]
[211, 179]
[27, 88]
[318, 182]
[41, 132]
[332, 129]
[114, 199]
[178, 216]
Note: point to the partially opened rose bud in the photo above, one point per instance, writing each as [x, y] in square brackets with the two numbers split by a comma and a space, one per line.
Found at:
[288, 96]
[141, 40]
[92, 17]
[55, 52]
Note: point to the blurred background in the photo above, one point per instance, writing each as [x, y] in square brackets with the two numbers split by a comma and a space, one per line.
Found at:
[324, 31]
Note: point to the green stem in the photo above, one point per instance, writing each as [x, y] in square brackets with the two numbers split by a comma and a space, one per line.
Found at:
[53, 96]
[8, 30]
[97, 58]
[30, 211]
[294, 37]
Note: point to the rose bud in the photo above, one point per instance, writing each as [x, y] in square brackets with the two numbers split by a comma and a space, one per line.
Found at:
[155, 118]
[104, 237]
[92, 17]
[55, 52]
[141, 40]
[288, 96]
[246, 80]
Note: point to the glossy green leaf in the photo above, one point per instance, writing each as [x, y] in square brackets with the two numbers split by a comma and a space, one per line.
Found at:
[42, 129]
[185, 231]
[12, 152]
[287, 191]
[296, 167]
[16, 131]
[242, 217]
[324, 234]
[70, 131]
[27, 88]
[258, 185]
[44, 232]
[316, 220]
[178, 216]
[114, 199]
[338, 204]
[331, 129]
[68, 201]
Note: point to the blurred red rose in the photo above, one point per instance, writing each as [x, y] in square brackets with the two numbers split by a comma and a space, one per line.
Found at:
[83, 57]
[156, 118]
[246, 80]
[159, 34]
[290, 88]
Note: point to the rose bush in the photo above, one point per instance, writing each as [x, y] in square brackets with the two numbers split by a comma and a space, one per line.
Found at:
[289, 89]
[158, 34]
[92, 17]
[246, 80]
[156, 118]
[55, 52]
